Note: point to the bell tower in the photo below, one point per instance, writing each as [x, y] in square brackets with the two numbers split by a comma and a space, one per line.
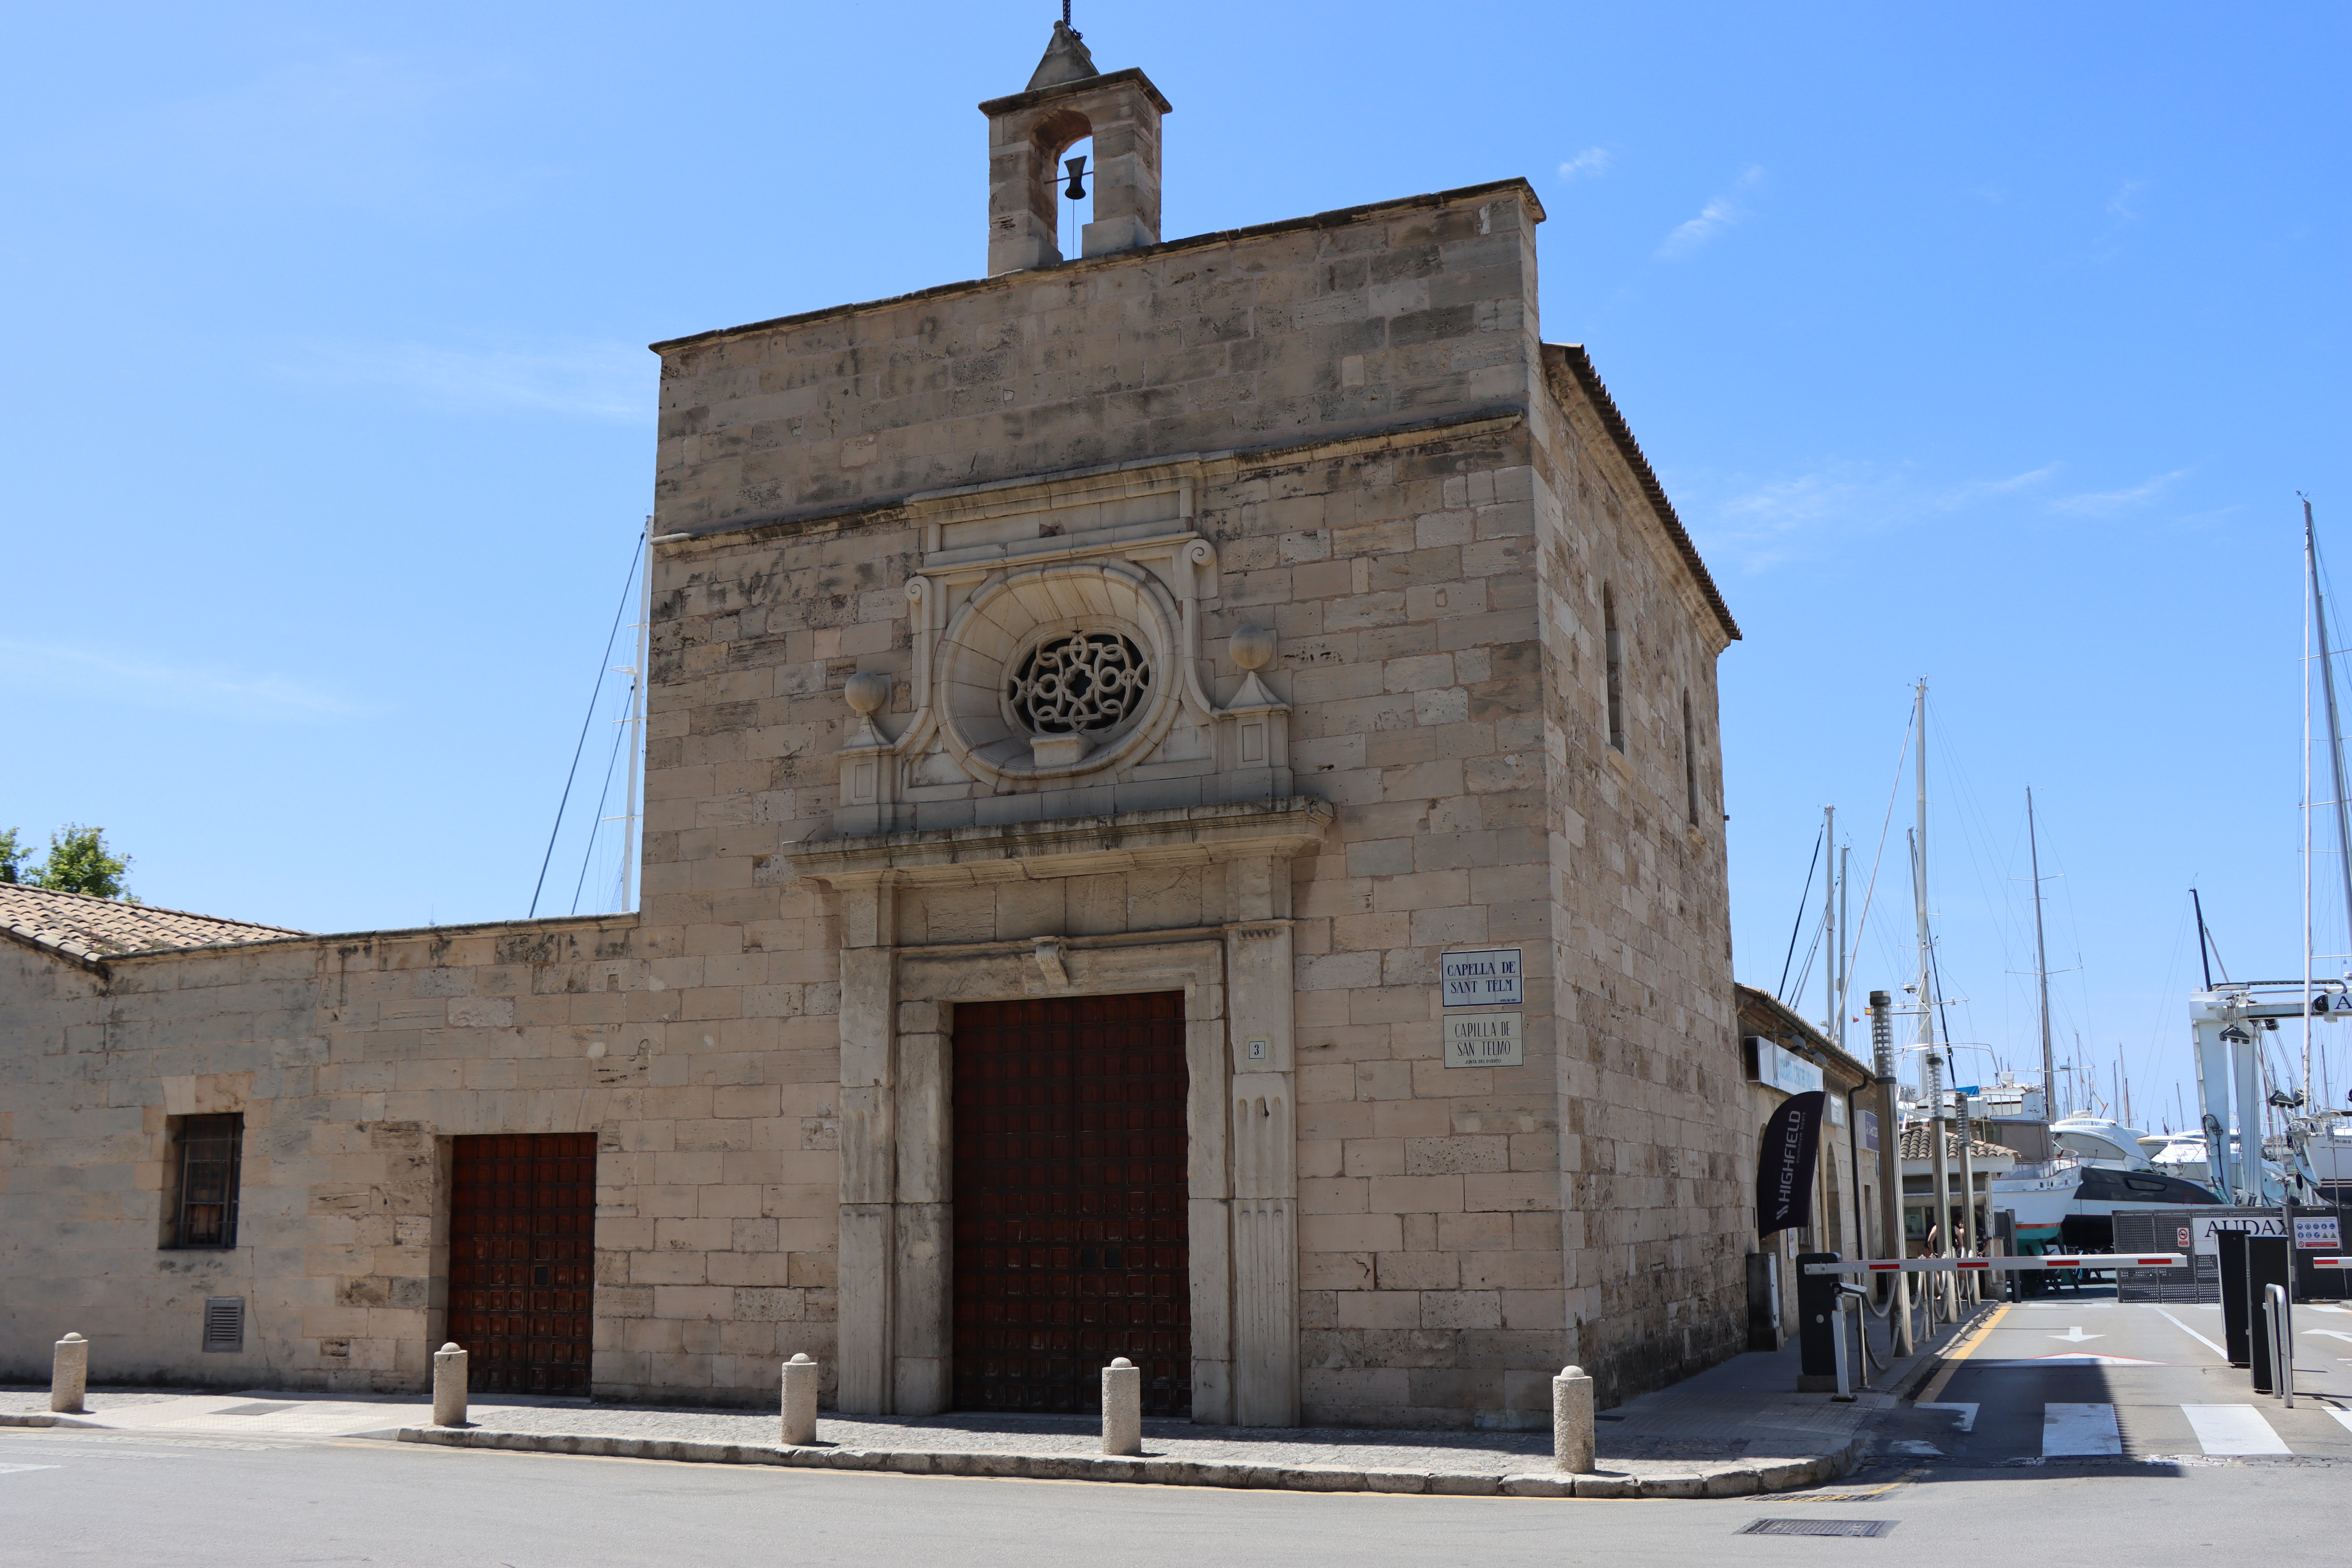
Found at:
[1066, 101]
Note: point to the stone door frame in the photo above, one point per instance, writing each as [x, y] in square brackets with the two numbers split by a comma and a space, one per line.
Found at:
[897, 1255]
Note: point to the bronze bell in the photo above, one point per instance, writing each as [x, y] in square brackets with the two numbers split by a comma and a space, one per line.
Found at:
[1076, 189]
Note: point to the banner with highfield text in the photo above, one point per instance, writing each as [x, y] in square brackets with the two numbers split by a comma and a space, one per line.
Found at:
[1784, 1164]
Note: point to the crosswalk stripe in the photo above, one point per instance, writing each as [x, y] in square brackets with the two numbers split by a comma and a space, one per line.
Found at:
[2232, 1429]
[2345, 1416]
[2077, 1429]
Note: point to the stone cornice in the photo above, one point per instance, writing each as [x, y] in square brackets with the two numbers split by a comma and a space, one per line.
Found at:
[1068, 847]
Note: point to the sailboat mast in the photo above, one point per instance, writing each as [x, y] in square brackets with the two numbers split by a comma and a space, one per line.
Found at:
[2334, 749]
[1932, 1070]
[1828, 927]
[2041, 966]
[1845, 963]
[1920, 886]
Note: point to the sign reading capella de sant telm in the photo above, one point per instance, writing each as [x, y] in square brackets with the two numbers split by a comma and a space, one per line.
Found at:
[1485, 977]
[1486, 1040]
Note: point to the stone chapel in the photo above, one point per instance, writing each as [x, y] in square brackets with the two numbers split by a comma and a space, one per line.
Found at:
[1185, 820]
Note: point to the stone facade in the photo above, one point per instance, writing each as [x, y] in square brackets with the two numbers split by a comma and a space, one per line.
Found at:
[1416, 660]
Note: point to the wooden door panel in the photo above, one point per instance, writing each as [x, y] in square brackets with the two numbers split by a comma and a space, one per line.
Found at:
[522, 1260]
[1070, 1194]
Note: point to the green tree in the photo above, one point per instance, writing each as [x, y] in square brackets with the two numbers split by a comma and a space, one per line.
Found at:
[79, 863]
[12, 857]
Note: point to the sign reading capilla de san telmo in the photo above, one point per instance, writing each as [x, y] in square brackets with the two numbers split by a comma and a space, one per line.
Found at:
[1089, 705]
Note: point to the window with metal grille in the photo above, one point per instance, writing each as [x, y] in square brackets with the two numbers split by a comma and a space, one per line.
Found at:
[204, 1164]
[224, 1323]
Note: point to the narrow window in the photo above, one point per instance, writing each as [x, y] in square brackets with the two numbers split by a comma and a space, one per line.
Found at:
[204, 1171]
[1690, 760]
[1615, 648]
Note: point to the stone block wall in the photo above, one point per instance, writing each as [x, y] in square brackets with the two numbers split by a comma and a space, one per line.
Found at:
[1655, 1157]
[352, 1060]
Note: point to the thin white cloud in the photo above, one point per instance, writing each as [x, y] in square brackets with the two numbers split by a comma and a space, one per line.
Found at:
[207, 692]
[594, 380]
[1721, 212]
[1593, 161]
[2107, 503]
[2119, 206]
[396, 137]
[1757, 526]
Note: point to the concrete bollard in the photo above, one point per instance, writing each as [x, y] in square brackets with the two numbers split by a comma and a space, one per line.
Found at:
[1571, 1421]
[1122, 1405]
[800, 1401]
[449, 1386]
[69, 1374]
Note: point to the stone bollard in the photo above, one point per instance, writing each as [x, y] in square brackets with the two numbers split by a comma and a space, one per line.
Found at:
[1571, 1421]
[800, 1401]
[449, 1386]
[69, 1374]
[1122, 1400]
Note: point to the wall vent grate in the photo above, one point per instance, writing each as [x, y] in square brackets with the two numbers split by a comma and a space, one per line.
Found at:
[224, 1323]
[1819, 1527]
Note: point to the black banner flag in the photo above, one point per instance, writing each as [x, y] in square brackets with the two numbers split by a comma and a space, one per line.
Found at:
[1784, 1164]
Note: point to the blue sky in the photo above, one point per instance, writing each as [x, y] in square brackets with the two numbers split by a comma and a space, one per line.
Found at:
[1990, 347]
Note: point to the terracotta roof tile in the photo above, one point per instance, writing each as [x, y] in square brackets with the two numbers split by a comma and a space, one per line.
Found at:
[88, 930]
[1919, 1144]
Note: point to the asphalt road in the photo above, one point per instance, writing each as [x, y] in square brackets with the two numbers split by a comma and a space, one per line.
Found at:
[127, 1499]
[2085, 1379]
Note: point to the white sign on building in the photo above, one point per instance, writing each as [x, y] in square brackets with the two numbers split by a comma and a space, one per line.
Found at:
[1487, 1040]
[1485, 977]
[2253, 1224]
[1784, 1070]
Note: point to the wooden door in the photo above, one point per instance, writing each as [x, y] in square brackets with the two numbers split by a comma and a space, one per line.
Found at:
[1070, 1193]
[522, 1261]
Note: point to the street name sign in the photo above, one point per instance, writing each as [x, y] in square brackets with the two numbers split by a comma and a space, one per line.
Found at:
[1484, 1040]
[1482, 977]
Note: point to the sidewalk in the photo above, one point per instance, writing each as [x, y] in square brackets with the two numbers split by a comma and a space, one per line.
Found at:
[1734, 1429]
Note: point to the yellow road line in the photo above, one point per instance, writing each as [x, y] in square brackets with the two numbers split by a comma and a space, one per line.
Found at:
[1952, 1359]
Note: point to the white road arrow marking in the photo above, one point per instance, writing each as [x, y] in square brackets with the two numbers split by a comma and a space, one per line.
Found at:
[2076, 1336]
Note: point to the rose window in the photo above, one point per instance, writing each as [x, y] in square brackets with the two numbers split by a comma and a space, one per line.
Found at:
[1080, 683]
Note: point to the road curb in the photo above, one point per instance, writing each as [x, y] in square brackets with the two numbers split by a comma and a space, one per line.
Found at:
[1724, 1481]
[9, 1420]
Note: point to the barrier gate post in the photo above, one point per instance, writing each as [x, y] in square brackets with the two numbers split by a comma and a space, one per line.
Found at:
[1817, 1336]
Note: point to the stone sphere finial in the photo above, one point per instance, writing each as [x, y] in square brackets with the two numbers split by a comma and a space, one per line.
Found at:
[1251, 647]
[866, 692]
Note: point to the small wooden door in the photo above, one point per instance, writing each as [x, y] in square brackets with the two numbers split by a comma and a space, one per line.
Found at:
[1070, 1193]
[522, 1263]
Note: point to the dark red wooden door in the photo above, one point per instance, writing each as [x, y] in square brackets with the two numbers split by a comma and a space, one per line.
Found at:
[1070, 1245]
[522, 1263]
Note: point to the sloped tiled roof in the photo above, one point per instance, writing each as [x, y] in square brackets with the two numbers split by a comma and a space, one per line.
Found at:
[87, 930]
[1919, 1144]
